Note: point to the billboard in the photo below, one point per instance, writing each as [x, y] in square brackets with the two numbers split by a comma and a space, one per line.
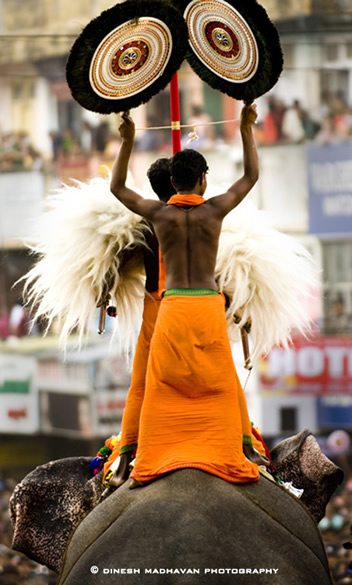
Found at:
[335, 411]
[108, 407]
[19, 411]
[330, 188]
[66, 414]
[319, 366]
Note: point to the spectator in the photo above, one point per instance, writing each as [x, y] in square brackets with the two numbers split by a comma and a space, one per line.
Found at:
[86, 140]
[272, 123]
[292, 123]
[4, 323]
[18, 321]
[101, 137]
[18, 153]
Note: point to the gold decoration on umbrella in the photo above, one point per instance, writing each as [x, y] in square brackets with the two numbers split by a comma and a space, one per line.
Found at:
[130, 58]
[222, 39]
[127, 55]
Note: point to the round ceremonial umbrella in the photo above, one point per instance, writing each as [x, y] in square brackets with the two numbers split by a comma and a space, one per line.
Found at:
[233, 46]
[126, 55]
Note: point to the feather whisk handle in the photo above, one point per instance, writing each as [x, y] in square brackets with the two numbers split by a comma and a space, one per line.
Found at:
[245, 346]
[102, 315]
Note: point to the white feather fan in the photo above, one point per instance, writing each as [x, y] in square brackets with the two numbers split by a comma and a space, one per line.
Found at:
[80, 242]
[266, 275]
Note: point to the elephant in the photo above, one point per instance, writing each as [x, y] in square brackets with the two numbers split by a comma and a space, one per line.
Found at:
[186, 528]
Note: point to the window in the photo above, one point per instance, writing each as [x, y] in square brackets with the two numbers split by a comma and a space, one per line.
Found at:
[331, 52]
[288, 419]
[337, 264]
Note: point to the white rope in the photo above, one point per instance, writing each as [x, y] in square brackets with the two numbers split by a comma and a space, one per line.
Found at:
[246, 382]
[187, 125]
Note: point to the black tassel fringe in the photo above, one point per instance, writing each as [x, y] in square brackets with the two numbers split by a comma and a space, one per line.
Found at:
[78, 64]
[270, 54]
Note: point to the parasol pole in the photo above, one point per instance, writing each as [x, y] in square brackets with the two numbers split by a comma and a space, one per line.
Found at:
[175, 114]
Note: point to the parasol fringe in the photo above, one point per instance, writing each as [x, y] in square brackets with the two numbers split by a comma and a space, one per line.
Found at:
[269, 52]
[83, 49]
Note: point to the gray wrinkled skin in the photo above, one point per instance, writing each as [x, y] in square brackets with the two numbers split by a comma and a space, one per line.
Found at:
[185, 519]
[300, 460]
[48, 504]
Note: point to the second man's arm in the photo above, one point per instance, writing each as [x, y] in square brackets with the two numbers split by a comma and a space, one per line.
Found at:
[131, 199]
[224, 203]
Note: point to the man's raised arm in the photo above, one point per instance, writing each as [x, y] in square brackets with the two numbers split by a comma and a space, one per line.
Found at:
[224, 203]
[131, 199]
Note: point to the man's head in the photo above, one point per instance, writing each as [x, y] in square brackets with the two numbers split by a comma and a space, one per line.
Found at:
[160, 179]
[188, 171]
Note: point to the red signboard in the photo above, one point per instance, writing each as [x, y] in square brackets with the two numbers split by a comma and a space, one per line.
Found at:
[321, 365]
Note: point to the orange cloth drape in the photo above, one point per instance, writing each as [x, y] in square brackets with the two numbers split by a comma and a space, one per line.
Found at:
[185, 200]
[191, 415]
[130, 421]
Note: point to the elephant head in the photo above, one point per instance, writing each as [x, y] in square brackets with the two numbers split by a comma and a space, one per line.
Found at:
[50, 502]
[299, 460]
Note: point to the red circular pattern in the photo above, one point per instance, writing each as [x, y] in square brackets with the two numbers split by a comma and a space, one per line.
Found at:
[211, 26]
[142, 51]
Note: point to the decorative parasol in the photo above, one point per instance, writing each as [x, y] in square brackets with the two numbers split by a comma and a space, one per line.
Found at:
[126, 55]
[234, 47]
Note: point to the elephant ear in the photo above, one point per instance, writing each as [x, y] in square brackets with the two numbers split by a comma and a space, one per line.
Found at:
[300, 460]
[233, 46]
[48, 504]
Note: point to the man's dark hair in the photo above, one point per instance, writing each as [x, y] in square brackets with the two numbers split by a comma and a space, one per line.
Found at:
[160, 179]
[186, 167]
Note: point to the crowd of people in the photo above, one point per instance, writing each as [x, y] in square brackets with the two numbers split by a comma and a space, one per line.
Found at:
[280, 123]
[18, 153]
[336, 529]
[291, 123]
[15, 323]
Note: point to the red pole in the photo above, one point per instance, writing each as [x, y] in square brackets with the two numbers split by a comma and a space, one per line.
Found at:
[175, 114]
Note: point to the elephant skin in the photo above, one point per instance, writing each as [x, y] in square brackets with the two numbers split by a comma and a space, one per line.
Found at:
[299, 460]
[185, 520]
[48, 504]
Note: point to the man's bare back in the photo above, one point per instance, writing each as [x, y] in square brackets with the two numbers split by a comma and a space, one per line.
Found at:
[188, 237]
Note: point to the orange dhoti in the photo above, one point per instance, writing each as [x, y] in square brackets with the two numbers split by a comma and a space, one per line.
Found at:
[135, 397]
[193, 404]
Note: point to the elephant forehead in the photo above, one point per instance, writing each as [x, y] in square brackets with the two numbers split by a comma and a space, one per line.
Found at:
[314, 464]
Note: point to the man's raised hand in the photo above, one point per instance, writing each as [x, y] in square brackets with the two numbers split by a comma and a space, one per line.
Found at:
[248, 115]
[127, 127]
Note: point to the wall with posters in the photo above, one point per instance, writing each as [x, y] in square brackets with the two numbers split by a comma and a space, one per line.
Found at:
[307, 385]
[322, 365]
[335, 412]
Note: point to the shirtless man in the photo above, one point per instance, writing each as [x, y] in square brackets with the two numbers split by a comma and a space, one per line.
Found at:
[159, 177]
[188, 230]
[189, 242]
